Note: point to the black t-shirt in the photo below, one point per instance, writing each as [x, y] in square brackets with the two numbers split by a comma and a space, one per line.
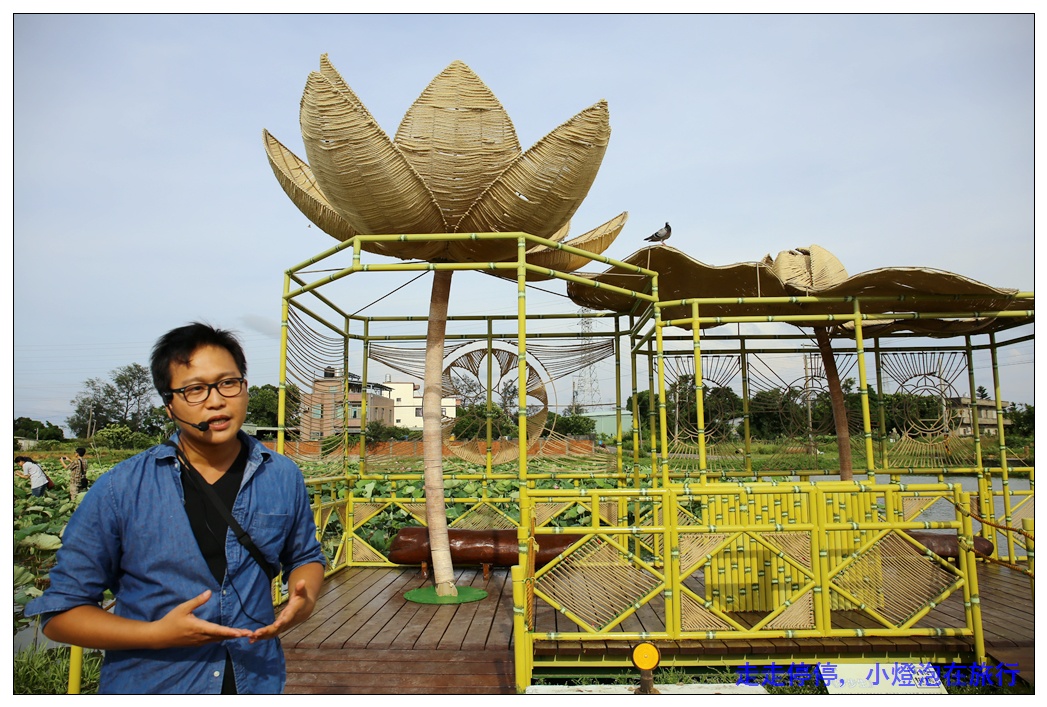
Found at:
[209, 528]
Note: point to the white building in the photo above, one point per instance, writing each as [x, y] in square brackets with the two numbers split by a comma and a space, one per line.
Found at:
[407, 404]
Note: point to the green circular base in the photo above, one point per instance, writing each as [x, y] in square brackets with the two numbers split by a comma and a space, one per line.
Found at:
[427, 595]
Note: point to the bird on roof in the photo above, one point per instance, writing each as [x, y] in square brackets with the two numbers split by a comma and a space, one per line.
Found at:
[662, 234]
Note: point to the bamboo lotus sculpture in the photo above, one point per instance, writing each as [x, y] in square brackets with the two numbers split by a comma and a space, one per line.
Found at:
[455, 165]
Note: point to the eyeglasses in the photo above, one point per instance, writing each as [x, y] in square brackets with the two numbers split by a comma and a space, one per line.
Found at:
[227, 388]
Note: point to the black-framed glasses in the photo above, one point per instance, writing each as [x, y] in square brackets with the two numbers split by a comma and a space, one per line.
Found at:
[199, 392]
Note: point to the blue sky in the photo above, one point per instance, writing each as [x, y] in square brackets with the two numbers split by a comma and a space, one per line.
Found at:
[142, 198]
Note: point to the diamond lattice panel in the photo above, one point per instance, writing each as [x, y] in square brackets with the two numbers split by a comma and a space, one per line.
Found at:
[597, 583]
[908, 580]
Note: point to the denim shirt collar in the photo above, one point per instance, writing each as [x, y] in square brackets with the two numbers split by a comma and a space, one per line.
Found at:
[257, 453]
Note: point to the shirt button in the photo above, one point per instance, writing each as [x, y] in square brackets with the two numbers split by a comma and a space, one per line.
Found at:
[217, 674]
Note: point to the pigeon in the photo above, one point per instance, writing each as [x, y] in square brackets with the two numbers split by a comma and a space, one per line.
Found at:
[662, 234]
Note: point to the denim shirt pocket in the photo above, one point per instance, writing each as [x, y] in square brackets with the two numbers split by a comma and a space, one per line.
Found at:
[269, 532]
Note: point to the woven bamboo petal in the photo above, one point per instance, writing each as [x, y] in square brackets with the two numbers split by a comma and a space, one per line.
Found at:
[299, 184]
[366, 179]
[595, 241]
[555, 238]
[544, 187]
[808, 269]
[331, 74]
[459, 138]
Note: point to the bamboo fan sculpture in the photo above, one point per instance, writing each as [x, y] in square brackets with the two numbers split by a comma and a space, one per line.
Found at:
[455, 165]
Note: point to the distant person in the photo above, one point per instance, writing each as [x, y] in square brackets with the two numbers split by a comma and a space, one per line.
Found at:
[194, 611]
[31, 470]
[77, 472]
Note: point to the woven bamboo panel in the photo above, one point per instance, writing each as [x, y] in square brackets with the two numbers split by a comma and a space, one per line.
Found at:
[894, 562]
[913, 506]
[597, 583]
[362, 512]
[362, 552]
[695, 617]
[544, 512]
[483, 517]
[798, 615]
[797, 545]
[695, 547]
[415, 509]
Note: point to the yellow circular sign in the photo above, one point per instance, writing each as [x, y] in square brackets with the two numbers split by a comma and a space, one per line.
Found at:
[646, 656]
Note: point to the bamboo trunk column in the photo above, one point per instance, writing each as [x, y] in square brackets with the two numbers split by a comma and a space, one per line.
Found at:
[432, 437]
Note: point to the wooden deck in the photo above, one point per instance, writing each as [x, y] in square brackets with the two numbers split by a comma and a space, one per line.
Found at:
[365, 638]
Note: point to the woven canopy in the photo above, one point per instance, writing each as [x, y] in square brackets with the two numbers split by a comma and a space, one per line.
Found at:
[454, 166]
[808, 271]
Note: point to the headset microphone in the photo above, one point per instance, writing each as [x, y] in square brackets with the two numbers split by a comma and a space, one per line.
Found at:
[202, 426]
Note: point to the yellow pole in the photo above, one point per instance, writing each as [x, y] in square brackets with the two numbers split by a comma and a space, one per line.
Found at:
[880, 406]
[971, 591]
[745, 408]
[986, 505]
[619, 466]
[490, 381]
[524, 529]
[76, 669]
[281, 398]
[820, 548]
[699, 388]
[653, 433]
[363, 399]
[1007, 520]
[863, 390]
[636, 407]
[1029, 527]
[345, 399]
[663, 439]
[523, 653]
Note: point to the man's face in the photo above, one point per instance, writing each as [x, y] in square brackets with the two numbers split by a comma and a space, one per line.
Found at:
[209, 364]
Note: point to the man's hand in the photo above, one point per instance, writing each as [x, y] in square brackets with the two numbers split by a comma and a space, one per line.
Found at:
[91, 627]
[180, 627]
[305, 582]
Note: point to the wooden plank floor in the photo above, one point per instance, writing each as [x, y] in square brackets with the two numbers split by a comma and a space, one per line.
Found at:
[365, 638]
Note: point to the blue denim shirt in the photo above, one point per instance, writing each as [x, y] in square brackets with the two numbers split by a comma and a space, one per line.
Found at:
[130, 534]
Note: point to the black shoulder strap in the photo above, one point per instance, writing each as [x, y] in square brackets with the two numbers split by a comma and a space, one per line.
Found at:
[241, 535]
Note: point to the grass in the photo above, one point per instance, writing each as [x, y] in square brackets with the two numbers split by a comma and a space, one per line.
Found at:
[46, 672]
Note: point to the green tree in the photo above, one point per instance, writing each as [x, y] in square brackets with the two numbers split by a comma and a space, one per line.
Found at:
[127, 399]
[1023, 421]
[33, 429]
[571, 424]
[263, 405]
[982, 393]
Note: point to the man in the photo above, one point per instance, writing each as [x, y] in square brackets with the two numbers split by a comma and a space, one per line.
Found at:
[77, 472]
[193, 605]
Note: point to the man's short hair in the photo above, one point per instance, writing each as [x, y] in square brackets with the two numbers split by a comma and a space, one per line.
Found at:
[179, 345]
[81, 451]
[19, 460]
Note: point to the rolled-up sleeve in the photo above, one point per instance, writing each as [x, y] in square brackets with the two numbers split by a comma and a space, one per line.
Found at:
[88, 561]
